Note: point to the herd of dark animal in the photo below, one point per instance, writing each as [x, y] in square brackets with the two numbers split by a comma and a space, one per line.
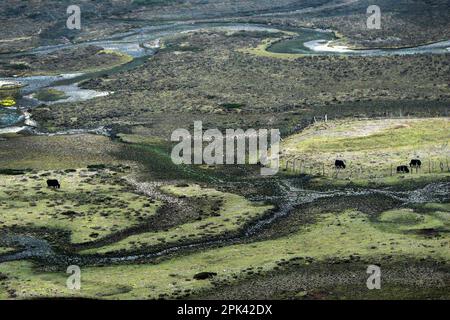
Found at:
[415, 163]
[339, 164]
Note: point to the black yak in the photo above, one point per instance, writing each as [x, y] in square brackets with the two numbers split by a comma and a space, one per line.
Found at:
[415, 163]
[204, 275]
[52, 183]
[339, 164]
[402, 169]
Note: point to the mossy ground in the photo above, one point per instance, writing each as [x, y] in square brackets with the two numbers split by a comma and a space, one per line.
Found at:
[221, 213]
[405, 220]
[335, 236]
[89, 205]
[50, 94]
[5, 250]
[56, 152]
[340, 280]
[261, 50]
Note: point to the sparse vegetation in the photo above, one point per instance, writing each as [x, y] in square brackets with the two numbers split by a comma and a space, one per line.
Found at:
[222, 213]
[80, 60]
[88, 206]
[57, 152]
[341, 236]
[50, 95]
[142, 227]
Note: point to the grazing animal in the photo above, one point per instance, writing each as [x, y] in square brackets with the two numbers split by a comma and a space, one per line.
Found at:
[204, 275]
[402, 169]
[415, 163]
[52, 183]
[339, 164]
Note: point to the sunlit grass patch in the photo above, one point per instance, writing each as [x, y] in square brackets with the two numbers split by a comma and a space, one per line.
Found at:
[333, 236]
[437, 206]
[89, 205]
[405, 220]
[371, 148]
[261, 51]
[405, 216]
[5, 250]
[222, 213]
[56, 152]
[50, 94]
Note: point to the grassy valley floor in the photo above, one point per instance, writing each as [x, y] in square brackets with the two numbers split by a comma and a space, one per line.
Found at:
[100, 214]
[340, 237]
[141, 227]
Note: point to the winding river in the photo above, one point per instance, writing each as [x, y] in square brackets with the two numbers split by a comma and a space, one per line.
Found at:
[135, 43]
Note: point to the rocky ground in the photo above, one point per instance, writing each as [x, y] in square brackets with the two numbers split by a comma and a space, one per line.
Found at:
[218, 75]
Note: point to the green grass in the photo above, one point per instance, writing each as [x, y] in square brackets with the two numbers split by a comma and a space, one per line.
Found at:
[287, 46]
[56, 152]
[230, 214]
[8, 102]
[261, 51]
[89, 205]
[437, 206]
[5, 250]
[332, 236]
[50, 95]
[154, 157]
[120, 59]
[399, 181]
[405, 220]
[396, 135]
[405, 216]
[295, 44]
[372, 148]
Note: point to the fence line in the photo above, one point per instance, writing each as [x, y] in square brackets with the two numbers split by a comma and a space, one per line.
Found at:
[355, 171]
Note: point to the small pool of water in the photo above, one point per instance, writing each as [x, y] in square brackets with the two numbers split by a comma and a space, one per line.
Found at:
[74, 94]
[9, 117]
